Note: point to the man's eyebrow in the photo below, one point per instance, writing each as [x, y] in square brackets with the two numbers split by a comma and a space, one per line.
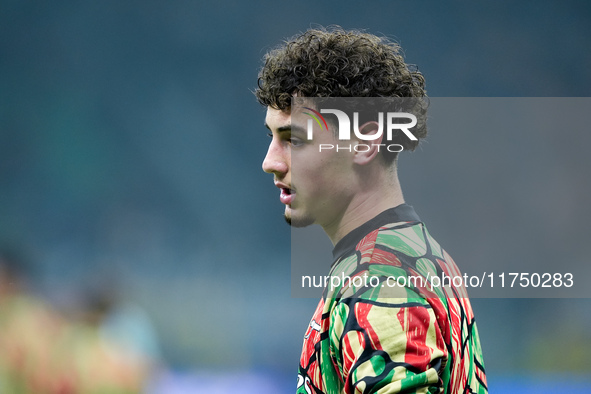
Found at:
[287, 128]
[298, 128]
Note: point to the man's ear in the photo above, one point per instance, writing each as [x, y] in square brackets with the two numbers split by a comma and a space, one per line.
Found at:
[367, 150]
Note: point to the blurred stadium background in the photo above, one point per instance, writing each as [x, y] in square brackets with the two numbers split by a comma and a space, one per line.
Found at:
[130, 181]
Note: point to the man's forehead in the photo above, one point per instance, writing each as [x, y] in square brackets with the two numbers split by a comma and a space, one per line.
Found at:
[276, 118]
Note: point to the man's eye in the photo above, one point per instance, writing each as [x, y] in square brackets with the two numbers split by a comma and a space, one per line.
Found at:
[296, 141]
[270, 135]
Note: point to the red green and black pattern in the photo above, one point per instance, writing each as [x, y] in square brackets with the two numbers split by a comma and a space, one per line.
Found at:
[415, 338]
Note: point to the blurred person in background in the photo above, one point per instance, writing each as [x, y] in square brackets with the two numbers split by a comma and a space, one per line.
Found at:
[29, 328]
[43, 352]
[418, 339]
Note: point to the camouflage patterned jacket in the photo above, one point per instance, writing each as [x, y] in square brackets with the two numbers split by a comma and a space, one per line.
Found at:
[385, 324]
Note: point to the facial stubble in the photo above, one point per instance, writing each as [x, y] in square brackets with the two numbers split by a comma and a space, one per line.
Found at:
[297, 222]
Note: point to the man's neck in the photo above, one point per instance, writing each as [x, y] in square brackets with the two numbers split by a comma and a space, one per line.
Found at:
[363, 207]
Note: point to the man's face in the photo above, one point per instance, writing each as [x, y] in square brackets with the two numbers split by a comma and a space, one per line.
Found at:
[314, 186]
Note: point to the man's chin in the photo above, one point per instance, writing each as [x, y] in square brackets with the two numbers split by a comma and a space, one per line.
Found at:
[295, 220]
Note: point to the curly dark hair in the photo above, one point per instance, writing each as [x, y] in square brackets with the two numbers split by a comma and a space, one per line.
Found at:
[339, 63]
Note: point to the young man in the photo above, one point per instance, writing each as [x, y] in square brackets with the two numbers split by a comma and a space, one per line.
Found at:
[363, 339]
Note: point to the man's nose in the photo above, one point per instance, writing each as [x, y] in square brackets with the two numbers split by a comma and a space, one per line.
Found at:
[275, 161]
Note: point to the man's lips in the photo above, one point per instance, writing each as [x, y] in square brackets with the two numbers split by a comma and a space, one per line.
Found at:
[286, 196]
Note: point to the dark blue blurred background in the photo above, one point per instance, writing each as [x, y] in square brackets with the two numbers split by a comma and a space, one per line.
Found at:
[130, 154]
